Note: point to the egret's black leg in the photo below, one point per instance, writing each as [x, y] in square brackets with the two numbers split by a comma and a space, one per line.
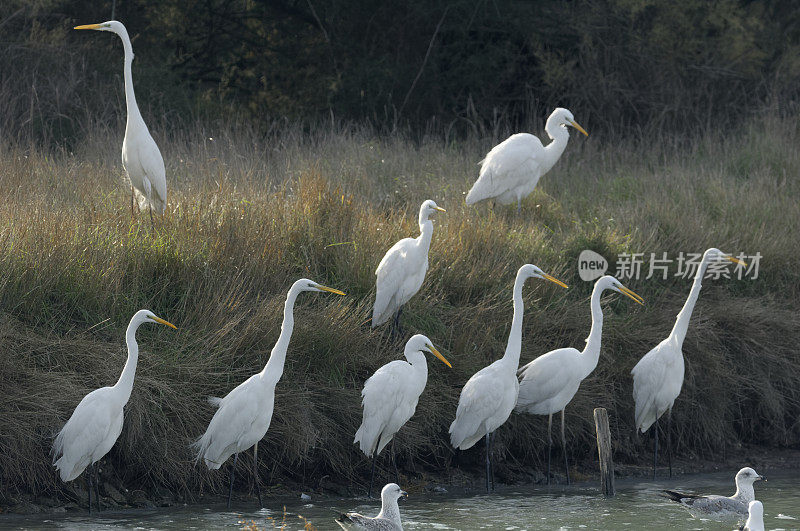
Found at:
[152, 221]
[133, 203]
[394, 462]
[372, 474]
[397, 330]
[89, 489]
[564, 443]
[233, 471]
[96, 487]
[669, 440]
[255, 475]
[488, 463]
[491, 461]
[549, 443]
[655, 448]
[518, 206]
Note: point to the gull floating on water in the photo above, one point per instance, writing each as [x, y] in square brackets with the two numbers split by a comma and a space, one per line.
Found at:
[721, 507]
[755, 520]
[387, 520]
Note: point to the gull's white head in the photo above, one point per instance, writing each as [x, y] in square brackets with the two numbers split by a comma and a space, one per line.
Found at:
[305, 284]
[609, 282]
[747, 476]
[392, 492]
[420, 343]
[531, 271]
[563, 117]
[755, 516]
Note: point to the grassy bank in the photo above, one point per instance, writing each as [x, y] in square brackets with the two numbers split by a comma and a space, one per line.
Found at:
[247, 216]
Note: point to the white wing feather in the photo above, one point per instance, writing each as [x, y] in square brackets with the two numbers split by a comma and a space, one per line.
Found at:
[391, 275]
[550, 381]
[511, 165]
[657, 382]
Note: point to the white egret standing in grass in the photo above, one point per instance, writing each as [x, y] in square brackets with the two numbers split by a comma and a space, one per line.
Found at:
[387, 520]
[140, 155]
[96, 423]
[488, 398]
[548, 383]
[402, 270]
[658, 377]
[390, 398]
[512, 168]
[243, 415]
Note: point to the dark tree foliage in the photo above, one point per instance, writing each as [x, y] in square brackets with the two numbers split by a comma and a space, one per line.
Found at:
[462, 64]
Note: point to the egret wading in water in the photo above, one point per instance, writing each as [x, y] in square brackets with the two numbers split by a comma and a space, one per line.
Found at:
[390, 398]
[243, 415]
[96, 423]
[488, 398]
[402, 270]
[721, 507]
[387, 520]
[658, 377]
[548, 383]
[512, 168]
[140, 155]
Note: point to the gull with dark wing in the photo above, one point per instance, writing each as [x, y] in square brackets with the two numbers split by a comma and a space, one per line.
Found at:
[721, 507]
[387, 520]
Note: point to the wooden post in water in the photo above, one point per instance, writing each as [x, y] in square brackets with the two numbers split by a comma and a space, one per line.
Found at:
[604, 450]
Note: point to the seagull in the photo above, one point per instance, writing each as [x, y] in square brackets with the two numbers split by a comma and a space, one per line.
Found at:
[755, 519]
[721, 507]
[387, 520]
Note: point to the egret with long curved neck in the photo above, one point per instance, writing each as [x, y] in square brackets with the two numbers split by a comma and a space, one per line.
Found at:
[96, 423]
[658, 377]
[243, 415]
[512, 168]
[402, 270]
[548, 383]
[141, 157]
[488, 397]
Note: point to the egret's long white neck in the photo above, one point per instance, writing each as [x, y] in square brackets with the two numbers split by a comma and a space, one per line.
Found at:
[417, 360]
[554, 149]
[273, 370]
[425, 230]
[125, 382]
[130, 97]
[591, 352]
[685, 315]
[514, 347]
[390, 511]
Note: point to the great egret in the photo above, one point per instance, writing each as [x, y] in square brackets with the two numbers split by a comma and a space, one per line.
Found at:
[96, 423]
[721, 507]
[658, 377]
[243, 415]
[512, 168]
[755, 517]
[140, 155]
[488, 397]
[548, 383]
[390, 398]
[387, 520]
[402, 270]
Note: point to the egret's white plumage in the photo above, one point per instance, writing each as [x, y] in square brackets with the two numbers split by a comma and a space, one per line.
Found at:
[403, 267]
[140, 155]
[387, 520]
[96, 423]
[488, 398]
[548, 383]
[721, 507]
[755, 517]
[658, 377]
[512, 168]
[390, 395]
[243, 415]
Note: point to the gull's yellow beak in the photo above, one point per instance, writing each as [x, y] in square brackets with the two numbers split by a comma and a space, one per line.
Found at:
[632, 295]
[88, 26]
[553, 279]
[577, 126]
[440, 209]
[737, 261]
[331, 290]
[438, 355]
[162, 321]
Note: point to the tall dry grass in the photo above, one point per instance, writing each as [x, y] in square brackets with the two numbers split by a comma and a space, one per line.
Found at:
[249, 214]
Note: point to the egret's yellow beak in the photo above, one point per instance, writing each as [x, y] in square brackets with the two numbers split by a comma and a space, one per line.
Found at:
[88, 26]
[438, 355]
[632, 295]
[331, 290]
[440, 209]
[737, 261]
[162, 321]
[577, 126]
[553, 279]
